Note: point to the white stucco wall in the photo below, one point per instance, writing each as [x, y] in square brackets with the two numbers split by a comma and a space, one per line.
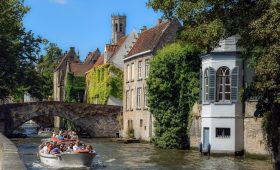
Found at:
[224, 114]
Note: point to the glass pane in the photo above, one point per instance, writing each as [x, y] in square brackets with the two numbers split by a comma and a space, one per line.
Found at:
[227, 80]
[227, 71]
[220, 96]
[227, 96]
[227, 88]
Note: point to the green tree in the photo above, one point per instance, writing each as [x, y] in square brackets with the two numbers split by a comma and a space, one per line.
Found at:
[18, 52]
[173, 87]
[205, 22]
[46, 65]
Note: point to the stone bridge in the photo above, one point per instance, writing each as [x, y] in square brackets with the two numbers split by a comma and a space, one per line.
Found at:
[97, 120]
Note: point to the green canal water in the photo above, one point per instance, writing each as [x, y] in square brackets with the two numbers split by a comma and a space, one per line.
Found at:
[116, 156]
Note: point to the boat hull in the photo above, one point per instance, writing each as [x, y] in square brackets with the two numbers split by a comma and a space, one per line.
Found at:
[67, 159]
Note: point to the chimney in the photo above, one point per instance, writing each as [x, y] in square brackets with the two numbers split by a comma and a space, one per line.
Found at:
[144, 28]
[159, 21]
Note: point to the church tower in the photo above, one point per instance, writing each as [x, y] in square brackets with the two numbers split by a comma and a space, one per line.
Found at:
[118, 27]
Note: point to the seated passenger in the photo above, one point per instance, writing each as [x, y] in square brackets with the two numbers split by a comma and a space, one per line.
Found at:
[44, 150]
[77, 146]
[55, 150]
[69, 148]
[89, 148]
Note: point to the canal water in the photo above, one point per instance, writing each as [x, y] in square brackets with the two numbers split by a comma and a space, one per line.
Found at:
[116, 156]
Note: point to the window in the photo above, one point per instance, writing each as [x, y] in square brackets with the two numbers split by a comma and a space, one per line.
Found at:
[147, 65]
[132, 99]
[121, 27]
[223, 84]
[116, 27]
[127, 72]
[141, 122]
[206, 85]
[140, 70]
[145, 98]
[127, 100]
[222, 132]
[132, 71]
[130, 124]
[139, 91]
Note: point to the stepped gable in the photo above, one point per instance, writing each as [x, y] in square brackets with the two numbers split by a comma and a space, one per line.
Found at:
[149, 38]
[92, 57]
[71, 56]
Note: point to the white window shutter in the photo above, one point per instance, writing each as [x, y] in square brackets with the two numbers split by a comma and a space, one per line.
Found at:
[234, 84]
[212, 84]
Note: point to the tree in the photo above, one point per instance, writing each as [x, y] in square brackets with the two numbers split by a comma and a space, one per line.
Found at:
[173, 87]
[46, 66]
[257, 22]
[18, 52]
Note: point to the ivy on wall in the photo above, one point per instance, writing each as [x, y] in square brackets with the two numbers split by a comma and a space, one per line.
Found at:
[75, 88]
[104, 81]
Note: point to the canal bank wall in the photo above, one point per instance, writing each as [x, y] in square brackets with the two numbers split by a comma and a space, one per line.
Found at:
[9, 156]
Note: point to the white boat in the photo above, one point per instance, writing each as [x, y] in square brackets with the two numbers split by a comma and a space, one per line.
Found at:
[45, 133]
[67, 159]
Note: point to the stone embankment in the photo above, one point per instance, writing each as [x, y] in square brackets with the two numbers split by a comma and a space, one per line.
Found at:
[9, 156]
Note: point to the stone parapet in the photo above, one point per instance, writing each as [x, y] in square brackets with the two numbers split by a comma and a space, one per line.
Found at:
[9, 156]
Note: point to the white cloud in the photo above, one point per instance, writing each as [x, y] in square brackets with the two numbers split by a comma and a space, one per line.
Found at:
[59, 1]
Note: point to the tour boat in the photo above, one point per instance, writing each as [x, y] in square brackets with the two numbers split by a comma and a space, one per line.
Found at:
[44, 133]
[67, 159]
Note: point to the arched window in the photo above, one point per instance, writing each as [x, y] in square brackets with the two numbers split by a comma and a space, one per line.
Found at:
[223, 84]
[206, 85]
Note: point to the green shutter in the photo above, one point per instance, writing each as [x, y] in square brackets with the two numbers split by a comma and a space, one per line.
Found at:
[212, 84]
[234, 84]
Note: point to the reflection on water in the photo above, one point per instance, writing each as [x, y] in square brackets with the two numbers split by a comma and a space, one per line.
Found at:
[115, 156]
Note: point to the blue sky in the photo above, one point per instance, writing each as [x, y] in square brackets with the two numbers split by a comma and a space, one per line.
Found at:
[84, 24]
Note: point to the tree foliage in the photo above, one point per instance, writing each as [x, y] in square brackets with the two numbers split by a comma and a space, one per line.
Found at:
[75, 88]
[46, 66]
[102, 82]
[18, 52]
[173, 87]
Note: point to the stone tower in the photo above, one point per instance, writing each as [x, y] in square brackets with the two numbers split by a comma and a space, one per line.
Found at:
[118, 27]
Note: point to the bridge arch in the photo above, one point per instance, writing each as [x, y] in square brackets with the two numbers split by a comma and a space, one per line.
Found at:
[96, 120]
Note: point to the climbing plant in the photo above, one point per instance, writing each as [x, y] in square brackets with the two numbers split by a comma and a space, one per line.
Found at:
[75, 88]
[173, 88]
[104, 81]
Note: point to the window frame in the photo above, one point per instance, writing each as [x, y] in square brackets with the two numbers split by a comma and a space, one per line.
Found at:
[138, 98]
[147, 68]
[223, 132]
[223, 75]
[139, 70]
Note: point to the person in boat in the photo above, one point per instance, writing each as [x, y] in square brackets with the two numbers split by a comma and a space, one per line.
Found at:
[77, 146]
[69, 148]
[45, 149]
[55, 150]
[89, 148]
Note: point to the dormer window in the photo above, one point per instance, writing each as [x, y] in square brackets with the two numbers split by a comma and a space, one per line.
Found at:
[223, 84]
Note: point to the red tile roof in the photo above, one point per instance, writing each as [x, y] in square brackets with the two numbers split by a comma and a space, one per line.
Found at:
[91, 56]
[79, 69]
[70, 56]
[99, 61]
[118, 44]
[149, 39]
